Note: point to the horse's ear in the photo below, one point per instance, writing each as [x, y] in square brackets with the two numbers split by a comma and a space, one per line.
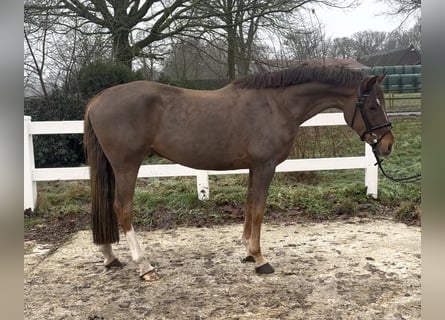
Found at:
[381, 77]
[367, 84]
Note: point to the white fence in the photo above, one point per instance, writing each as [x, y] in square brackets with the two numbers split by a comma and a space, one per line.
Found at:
[32, 174]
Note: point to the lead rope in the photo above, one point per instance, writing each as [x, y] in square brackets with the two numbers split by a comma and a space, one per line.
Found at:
[409, 179]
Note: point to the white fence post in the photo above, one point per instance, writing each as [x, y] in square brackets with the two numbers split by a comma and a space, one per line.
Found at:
[202, 185]
[29, 185]
[371, 172]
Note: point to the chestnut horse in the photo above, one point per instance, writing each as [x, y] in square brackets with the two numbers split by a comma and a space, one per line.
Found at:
[250, 123]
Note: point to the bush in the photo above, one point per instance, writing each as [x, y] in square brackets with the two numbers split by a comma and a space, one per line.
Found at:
[56, 150]
[101, 75]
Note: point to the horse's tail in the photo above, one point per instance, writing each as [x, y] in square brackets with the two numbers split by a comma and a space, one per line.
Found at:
[103, 218]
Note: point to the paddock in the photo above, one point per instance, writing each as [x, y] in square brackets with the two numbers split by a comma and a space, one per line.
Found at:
[354, 269]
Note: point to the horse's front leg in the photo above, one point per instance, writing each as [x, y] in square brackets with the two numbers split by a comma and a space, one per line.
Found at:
[259, 182]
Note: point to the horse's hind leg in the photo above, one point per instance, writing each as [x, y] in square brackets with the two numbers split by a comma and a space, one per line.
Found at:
[110, 259]
[247, 230]
[123, 206]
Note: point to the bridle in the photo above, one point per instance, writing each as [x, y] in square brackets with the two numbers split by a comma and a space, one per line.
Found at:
[360, 105]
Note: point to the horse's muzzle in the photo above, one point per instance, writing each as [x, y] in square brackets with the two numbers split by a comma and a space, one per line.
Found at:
[385, 145]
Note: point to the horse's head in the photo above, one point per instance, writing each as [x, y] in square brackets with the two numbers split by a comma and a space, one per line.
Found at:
[368, 117]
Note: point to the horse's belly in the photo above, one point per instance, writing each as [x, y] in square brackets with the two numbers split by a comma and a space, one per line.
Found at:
[204, 156]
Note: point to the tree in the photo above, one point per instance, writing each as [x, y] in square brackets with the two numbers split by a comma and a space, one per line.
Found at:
[404, 8]
[402, 38]
[193, 58]
[47, 63]
[142, 29]
[36, 32]
[342, 48]
[366, 42]
[241, 21]
[306, 44]
[132, 25]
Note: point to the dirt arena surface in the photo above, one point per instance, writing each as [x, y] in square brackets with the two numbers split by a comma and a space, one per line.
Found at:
[357, 269]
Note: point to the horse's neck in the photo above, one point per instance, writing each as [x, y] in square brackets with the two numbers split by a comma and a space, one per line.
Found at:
[304, 104]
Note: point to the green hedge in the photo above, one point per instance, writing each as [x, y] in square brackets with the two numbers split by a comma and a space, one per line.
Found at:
[56, 150]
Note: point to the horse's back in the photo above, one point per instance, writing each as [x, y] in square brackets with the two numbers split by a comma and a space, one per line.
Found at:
[127, 95]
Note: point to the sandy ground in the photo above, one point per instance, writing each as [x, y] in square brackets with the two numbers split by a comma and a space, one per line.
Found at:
[338, 270]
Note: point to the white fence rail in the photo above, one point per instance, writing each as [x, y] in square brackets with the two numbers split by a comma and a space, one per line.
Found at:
[32, 174]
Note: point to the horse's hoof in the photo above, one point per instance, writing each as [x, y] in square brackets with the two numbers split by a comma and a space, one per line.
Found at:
[264, 269]
[115, 264]
[248, 259]
[151, 275]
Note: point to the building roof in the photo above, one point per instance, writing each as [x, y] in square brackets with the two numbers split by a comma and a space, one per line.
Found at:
[400, 56]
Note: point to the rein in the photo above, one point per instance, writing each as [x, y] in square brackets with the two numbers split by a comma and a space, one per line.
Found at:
[369, 130]
[408, 179]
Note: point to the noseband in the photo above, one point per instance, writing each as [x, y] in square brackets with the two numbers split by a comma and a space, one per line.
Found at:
[360, 105]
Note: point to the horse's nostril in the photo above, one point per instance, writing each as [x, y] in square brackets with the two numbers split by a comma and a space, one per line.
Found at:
[389, 147]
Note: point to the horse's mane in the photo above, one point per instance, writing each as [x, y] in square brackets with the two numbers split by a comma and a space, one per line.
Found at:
[339, 75]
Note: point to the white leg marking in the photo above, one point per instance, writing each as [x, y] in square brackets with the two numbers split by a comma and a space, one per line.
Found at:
[136, 253]
[107, 251]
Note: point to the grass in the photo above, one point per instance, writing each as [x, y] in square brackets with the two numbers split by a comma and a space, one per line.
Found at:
[405, 161]
[166, 202]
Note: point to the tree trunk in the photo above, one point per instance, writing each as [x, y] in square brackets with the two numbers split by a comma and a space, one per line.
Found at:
[231, 53]
[122, 51]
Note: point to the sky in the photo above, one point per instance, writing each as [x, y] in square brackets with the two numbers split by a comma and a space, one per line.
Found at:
[367, 16]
